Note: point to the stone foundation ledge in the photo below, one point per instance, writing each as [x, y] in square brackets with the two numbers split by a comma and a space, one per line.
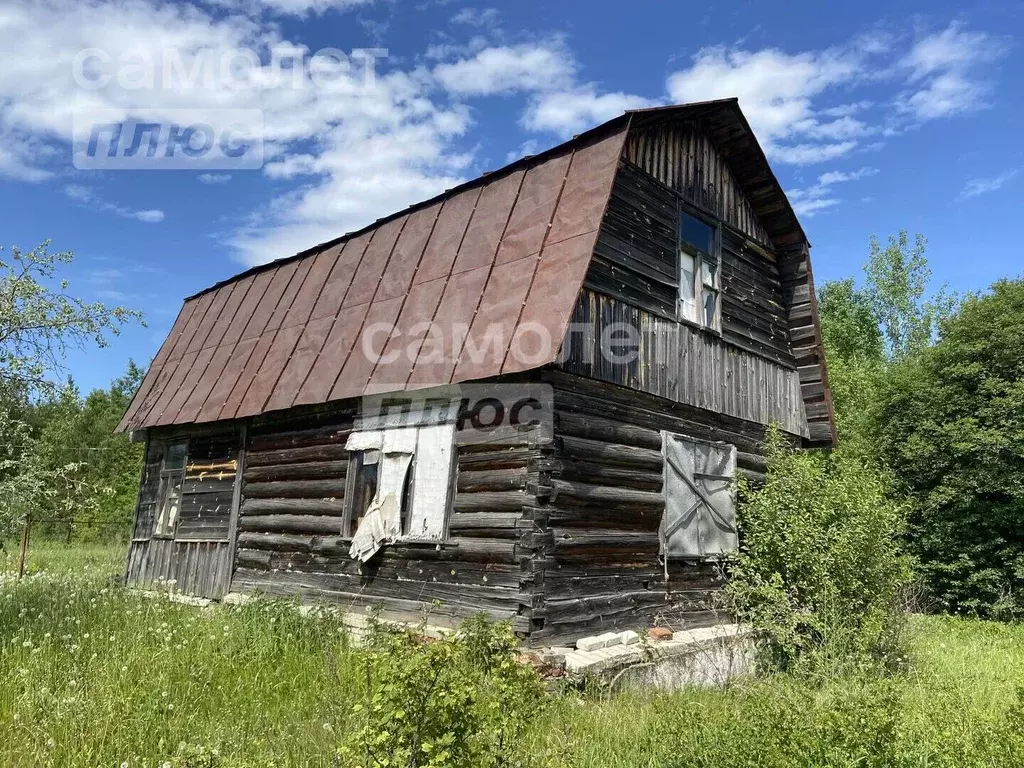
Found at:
[705, 656]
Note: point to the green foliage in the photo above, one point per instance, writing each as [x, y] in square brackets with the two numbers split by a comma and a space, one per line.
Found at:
[95, 675]
[820, 568]
[865, 329]
[854, 350]
[100, 480]
[897, 279]
[38, 323]
[953, 428]
[460, 701]
[40, 421]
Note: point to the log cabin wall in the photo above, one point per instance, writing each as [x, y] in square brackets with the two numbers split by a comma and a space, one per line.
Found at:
[597, 529]
[196, 559]
[290, 520]
[635, 260]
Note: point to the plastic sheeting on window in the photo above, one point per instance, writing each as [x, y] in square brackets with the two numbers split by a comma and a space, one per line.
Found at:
[700, 503]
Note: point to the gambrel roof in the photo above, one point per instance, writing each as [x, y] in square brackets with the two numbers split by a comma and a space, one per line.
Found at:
[509, 249]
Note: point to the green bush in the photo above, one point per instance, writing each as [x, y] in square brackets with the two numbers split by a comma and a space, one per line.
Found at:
[820, 568]
[461, 701]
[952, 426]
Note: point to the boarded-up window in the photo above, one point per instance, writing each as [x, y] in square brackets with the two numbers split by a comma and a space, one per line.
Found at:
[399, 485]
[208, 489]
[700, 502]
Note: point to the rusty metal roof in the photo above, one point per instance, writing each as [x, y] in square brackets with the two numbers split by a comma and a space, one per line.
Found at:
[426, 290]
[414, 300]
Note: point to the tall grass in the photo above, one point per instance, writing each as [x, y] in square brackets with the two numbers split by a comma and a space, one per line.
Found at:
[95, 675]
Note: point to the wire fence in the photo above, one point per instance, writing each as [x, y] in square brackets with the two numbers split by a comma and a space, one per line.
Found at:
[67, 530]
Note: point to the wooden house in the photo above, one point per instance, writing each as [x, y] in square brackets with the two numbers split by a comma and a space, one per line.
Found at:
[347, 424]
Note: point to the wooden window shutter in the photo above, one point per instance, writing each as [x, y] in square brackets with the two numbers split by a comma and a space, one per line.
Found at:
[700, 504]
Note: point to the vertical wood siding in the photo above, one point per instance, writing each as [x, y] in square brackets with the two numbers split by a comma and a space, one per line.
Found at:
[198, 560]
[682, 156]
[683, 364]
[199, 568]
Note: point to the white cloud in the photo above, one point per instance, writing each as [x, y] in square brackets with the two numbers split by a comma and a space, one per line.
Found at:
[569, 112]
[976, 187]
[354, 152]
[86, 197]
[798, 103]
[528, 147]
[288, 7]
[214, 178]
[506, 69]
[477, 17]
[777, 92]
[946, 72]
[820, 196]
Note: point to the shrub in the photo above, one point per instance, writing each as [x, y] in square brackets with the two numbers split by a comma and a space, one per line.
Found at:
[461, 701]
[820, 568]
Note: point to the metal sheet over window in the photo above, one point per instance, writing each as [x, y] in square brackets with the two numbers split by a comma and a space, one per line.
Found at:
[700, 503]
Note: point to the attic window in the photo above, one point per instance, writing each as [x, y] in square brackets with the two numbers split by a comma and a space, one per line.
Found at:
[398, 487]
[699, 272]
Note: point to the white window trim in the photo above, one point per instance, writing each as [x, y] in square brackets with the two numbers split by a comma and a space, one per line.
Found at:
[698, 274]
[428, 453]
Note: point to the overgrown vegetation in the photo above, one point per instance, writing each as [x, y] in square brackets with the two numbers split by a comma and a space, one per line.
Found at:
[929, 386]
[460, 700]
[94, 675]
[952, 423]
[820, 570]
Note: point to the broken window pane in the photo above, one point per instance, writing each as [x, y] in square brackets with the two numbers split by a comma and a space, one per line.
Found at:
[687, 286]
[710, 307]
[365, 466]
[170, 502]
[709, 273]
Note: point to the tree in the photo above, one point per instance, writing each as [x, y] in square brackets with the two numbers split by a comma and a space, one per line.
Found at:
[39, 322]
[864, 330]
[101, 468]
[854, 349]
[896, 280]
[952, 426]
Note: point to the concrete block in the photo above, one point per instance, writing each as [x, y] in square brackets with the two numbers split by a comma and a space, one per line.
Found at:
[610, 639]
[629, 637]
[591, 643]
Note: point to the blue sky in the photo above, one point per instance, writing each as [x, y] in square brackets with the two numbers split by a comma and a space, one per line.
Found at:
[875, 116]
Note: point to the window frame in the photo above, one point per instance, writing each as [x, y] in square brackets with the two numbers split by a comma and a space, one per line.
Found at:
[699, 258]
[163, 528]
[352, 478]
[702, 511]
[348, 528]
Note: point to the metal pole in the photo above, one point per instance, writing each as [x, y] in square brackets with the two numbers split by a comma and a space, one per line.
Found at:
[24, 546]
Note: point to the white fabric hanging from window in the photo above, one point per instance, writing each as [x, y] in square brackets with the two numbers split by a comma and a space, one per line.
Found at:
[383, 519]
